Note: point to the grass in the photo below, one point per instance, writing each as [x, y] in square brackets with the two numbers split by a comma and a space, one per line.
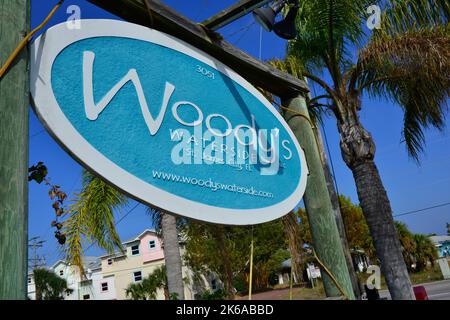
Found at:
[430, 275]
[304, 293]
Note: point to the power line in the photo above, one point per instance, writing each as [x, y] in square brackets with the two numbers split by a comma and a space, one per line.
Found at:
[243, 34]
[118, 221]
[423, 209]
[241, 29]
[35, 243]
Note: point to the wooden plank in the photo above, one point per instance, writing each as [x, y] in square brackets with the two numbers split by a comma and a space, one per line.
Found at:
[165, 19]
[232, 13]
[14, 102]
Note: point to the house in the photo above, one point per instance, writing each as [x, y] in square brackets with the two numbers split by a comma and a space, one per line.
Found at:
[68, 272]
[141, 256]
[107, 277]
[442, 243]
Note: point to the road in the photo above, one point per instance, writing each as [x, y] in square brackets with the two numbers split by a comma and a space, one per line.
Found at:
[439, 290]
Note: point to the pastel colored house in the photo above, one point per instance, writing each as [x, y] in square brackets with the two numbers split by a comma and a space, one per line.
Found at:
[107, 277]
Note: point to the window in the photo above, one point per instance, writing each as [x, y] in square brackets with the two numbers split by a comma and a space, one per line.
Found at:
[104, 286]
[152, 244]
[61, 272]
[110, 261]
[137, 276]
[29, 280]
[135, 250]
[213, 284]
[86, 297]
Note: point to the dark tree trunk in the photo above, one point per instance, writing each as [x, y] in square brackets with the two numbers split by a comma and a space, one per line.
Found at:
[172, 255]
[220, 234]
[358, 150]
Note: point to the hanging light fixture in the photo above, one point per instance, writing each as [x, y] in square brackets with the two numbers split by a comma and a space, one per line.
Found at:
[285, 28]
[266, 16]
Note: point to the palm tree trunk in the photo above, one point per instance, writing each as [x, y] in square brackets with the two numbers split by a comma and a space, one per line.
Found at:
[172, 255]
[358, 151]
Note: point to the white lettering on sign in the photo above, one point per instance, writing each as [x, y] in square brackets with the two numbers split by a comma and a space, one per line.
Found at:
[268, 153]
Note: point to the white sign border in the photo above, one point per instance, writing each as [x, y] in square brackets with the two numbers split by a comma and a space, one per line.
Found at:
[44, 51]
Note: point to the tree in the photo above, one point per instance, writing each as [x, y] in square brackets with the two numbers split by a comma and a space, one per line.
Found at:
[391, 64]
[168, 225]
[448, 229]
[160, 279]
[425, 251]
[49, 286]
[91, 218]
[205, 247]
[137, 291]
[356, 228]
[293, 234]
[147, 289]
[408, 244]
[212, 248]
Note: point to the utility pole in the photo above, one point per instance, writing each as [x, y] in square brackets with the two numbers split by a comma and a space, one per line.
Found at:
[35, 244]
[324, 231]
[14, 104]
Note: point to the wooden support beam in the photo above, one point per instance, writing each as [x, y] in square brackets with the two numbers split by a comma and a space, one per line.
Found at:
[14, 106]
[232, 13]
[167, 20]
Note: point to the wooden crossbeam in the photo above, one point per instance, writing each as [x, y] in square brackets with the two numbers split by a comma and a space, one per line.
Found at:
[233, 12]
[167, 20]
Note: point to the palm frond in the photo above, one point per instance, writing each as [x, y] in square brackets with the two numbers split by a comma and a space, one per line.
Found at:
[401, 16]
[91, 219]
[413, 70]
[327, 29]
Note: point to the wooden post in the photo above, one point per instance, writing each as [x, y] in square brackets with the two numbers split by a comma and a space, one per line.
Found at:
[327, 242]
[337, 212]
[14, 104]
[250, 281]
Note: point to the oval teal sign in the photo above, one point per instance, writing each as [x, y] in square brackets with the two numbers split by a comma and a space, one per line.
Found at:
[166, 123]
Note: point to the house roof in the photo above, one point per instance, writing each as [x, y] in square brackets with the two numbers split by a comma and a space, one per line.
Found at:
[89, 262]
[440, 239]
[140, 236]
[135, 239]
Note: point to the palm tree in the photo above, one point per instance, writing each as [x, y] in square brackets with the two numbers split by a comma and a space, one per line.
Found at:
[407, 242]
[167, 225]
[425, 251]
[91, 219]
[141, 291]
[160, 279]
[49, 286]
[407, 61]
[148, 287]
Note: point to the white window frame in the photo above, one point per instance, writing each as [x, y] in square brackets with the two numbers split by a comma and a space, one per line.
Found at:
[61, 272]
[150, 246]
[138, 250]
[110, 261]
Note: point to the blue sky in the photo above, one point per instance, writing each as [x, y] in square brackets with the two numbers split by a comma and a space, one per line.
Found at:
[409, 186]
